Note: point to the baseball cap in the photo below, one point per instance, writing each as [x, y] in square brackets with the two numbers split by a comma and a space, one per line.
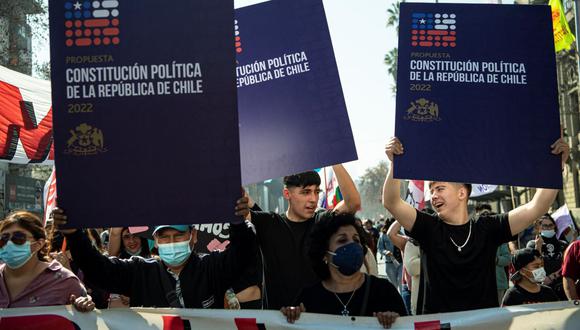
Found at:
[182, 228]
[523, 257]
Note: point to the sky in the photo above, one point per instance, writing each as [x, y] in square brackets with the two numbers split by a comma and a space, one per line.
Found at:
[360, 39]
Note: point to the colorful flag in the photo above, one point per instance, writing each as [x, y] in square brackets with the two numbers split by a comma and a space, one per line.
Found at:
[433, 30]
[415, 194]
[25, 119]
[331, 194]
[91, 23]
[49, 195]
[563, 37]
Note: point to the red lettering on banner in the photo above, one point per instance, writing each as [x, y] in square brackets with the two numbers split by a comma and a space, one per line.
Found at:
[18, 122]
[171, 322]
[428, 325]
[248, 324]
[37, 322]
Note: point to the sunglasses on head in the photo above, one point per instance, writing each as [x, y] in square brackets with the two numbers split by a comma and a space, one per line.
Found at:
[16, 237]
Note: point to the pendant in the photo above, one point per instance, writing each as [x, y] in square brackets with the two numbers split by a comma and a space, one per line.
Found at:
[345, 312]
[458, 249]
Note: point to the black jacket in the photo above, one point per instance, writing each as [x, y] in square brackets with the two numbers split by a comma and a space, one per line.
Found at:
[203, 280]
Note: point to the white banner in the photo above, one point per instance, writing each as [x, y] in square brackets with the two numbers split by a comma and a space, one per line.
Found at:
[482, 189]
[25, 118]
[560, 315]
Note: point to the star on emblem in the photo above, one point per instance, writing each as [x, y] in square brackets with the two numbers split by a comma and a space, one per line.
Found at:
[78, 5]
[422, 21]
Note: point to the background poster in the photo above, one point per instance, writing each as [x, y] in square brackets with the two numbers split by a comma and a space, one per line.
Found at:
[292, 111]
[212, 237]
[477, 95]
[23, 193]
[145, 119]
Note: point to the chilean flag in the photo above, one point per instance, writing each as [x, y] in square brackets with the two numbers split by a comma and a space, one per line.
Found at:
[415, 195]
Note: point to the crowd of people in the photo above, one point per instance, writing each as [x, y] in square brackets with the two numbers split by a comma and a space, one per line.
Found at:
[307, 259]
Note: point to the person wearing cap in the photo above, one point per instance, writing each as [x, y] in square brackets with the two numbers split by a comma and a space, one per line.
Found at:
[552, 251]
[528, 277]
[459, 252]
[179, 278]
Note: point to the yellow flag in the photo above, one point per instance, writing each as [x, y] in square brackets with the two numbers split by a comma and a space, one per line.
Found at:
[563, 38]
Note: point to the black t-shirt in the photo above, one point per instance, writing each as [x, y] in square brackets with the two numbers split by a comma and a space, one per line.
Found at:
[517, 295]
[460, 280]
[383, 297]
[284, 244]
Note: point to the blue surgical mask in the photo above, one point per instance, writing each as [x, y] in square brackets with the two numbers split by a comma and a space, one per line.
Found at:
[174, 254]
[548, 233]
[348, 258]
[14, 255]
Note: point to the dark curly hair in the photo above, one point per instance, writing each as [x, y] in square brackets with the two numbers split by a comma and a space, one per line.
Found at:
[328, 224]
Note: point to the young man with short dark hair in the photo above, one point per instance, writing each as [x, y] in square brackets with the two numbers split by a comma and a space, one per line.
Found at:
[460, 253]
[283, 238]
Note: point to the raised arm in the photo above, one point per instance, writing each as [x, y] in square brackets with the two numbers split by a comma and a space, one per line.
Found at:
[397, 239]
[114, 247]
[351, 198]
[242, 253]
[403, 212]
[110, 274]
[522, 217]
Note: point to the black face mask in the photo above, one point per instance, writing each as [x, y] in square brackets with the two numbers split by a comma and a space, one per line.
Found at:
[348, 259]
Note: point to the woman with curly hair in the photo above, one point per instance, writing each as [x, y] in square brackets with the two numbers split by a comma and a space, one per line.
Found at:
[336, 253]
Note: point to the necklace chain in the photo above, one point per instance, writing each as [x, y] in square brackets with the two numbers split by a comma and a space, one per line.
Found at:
[467, 240]
[345, 311]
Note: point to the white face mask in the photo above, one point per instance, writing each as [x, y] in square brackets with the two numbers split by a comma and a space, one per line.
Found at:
[548, 233]
[539, 275]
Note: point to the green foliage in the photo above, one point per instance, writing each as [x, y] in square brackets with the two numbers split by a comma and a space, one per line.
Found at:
[42, 70]
[393, 18]
[370, 187]
[391, 62]
[391, 56]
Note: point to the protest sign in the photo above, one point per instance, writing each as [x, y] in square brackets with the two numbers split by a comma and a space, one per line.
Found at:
[145, 114]
[292, 111]
[477, 95]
